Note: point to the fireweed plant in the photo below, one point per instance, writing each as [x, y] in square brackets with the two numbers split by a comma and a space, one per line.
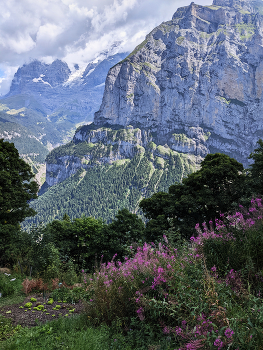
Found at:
[233, 252]
[235, 246]
[177, 296]
[203, 295]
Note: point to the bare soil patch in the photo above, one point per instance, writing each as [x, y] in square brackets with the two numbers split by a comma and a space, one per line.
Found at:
[30, 318]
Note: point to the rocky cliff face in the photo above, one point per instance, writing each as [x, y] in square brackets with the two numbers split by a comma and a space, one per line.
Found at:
[196, 81]
[99, 146]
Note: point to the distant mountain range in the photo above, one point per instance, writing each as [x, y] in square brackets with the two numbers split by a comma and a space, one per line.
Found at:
[47, 102]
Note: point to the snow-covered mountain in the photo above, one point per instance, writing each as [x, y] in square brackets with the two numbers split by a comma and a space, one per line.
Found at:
[62, 94]
[47, 102]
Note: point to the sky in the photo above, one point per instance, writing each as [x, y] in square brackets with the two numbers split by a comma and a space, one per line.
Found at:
[75, 31]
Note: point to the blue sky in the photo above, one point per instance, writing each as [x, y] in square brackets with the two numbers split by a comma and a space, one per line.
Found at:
[75, 31]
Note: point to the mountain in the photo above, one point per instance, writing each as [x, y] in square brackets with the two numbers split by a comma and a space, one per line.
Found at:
[64, 97]
[104, 170]
[202, 70]
[192, 87]
[48, 102]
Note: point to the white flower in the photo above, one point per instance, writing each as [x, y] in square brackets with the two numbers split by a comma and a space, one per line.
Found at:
[13, 279]
[7, 274]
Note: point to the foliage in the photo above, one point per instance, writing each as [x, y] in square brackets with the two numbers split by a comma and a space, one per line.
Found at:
[7, 288]
[161, 298]
[236, 242]
[116, 238]
[28, 305]
[69, 295]
[174, 294]
[17, 187]
[36, 285]
[201, 196]
[83, 241]
[256, 169]
[76, 333]
[6, 328]
[103, 190]
[75, 240]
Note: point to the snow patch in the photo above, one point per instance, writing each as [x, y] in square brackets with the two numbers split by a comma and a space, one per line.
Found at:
[74, 76]
[40, 80]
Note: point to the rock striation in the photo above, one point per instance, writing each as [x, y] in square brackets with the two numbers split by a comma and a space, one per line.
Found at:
[195, 82]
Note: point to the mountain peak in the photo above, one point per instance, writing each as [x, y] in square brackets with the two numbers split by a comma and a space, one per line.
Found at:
[203, 70]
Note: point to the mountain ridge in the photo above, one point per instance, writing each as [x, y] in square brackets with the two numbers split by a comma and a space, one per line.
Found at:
[200, 70]
[48, 101]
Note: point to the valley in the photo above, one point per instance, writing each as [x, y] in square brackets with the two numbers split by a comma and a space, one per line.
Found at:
[144, 229]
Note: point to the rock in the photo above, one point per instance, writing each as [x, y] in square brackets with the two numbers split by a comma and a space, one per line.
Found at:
[201, 70]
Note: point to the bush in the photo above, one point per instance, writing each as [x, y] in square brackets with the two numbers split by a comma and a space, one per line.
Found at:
[28, 304]
[7, 287]
[236, 244]
[7, 329]
[69, 295]
[175, 298]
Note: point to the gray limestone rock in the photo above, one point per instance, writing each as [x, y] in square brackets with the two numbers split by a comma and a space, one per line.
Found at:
[196, 81]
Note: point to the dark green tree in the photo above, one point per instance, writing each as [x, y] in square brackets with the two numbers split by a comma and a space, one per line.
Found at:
[201, 197]
[16, 190]
[157, 209]
[16, 186]
[77, 240]
[216, 187]
[256, 170]
[127, 229]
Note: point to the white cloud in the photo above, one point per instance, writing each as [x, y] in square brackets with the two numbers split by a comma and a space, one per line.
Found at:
[8, 76]
[75, 30]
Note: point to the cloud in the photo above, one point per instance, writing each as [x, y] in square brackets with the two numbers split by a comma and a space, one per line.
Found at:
[75, 30]
[7, 74]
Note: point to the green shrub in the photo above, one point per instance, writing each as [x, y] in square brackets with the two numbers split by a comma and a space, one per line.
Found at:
[28, 305]
[6, 328]
[69, 275]
[39, 307]
[33, 300]
[237, 246]
[50, 301]
[7, 287]
[57, 307]
[69, 295]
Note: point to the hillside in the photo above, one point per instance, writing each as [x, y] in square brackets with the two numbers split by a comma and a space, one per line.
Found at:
[112, 179]
[47, 102]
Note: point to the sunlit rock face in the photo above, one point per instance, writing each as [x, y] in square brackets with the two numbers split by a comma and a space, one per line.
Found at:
[196, 81]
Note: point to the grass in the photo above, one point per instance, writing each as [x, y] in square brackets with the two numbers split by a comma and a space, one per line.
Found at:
[77, 333]
[204, 295]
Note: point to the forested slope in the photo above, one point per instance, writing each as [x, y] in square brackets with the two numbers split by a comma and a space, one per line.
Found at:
[102, 190]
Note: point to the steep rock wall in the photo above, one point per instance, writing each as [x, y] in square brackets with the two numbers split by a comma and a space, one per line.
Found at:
[202, 70]
[99, 146]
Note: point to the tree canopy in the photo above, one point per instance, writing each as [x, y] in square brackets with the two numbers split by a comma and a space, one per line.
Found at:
[16, 186]
[201, 196]
[256, 169]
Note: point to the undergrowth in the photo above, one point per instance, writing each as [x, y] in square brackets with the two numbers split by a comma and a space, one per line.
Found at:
[166, 297]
